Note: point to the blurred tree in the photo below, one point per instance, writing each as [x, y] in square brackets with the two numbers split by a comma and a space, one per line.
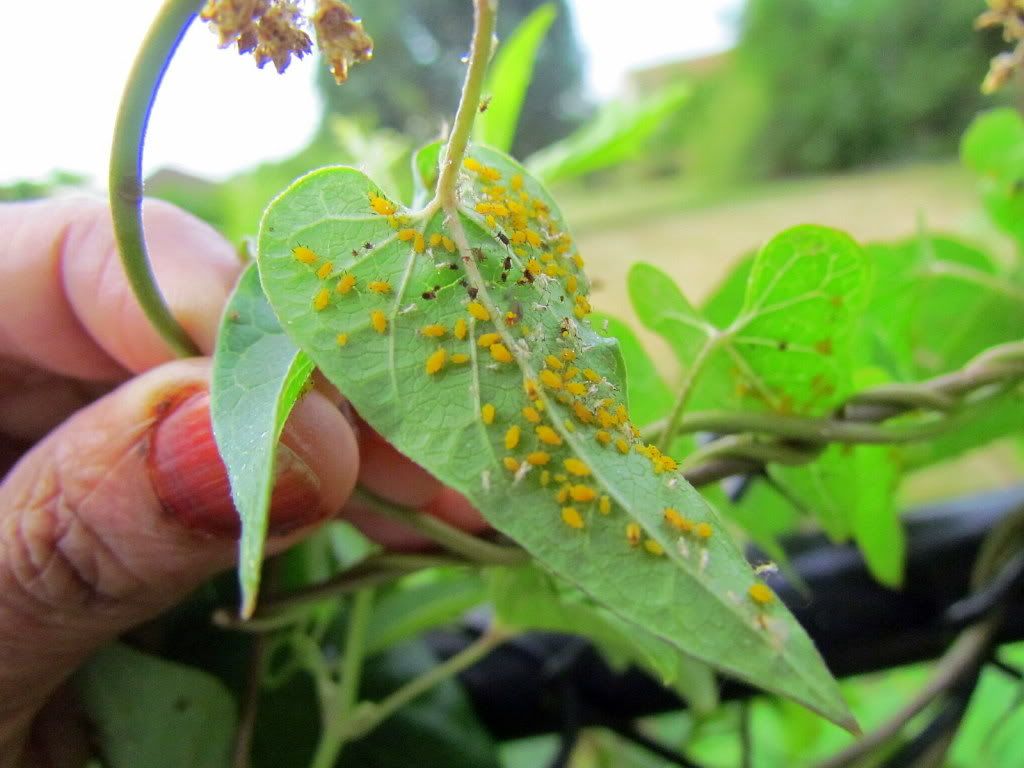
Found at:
[833, 84]
[413, 83]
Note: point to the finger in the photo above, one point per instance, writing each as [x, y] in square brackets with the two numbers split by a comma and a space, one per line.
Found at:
[77, 315]
[124, 509]
[392, 476]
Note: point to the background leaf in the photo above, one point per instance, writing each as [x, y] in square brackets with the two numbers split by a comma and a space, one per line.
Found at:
[152, 712]
[258, 374]
[993, 147]
[788, 349]
[509, 77]
[619, 133]
[689, 592]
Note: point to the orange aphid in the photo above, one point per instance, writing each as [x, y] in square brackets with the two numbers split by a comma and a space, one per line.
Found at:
[582, 493]
[487, 339]
[572, 517]
[703, 531]
[346, 283]
[459, 358]
[304, 254]
[761, 594]
[538, 458]
[460, 329]
[548, 436]
[633, 534]
[325, 270]
[379, 286]
[478, 310]
[434, 330]
[500, 353]
[512, 436]
[487, 413]
[381, 205]
[531, 414]
[435, 363]
[654, 547]
[341, 339]
[511, 463]
[379, 321]
[321, 300]
[604, 505]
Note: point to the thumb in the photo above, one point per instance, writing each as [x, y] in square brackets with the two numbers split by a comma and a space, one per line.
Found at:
[125, 509]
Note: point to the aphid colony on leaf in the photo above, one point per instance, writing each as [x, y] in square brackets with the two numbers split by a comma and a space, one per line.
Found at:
[564, 402]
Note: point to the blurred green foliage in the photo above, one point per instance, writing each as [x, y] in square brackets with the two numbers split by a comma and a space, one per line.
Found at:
[822, 85]
[414, 81]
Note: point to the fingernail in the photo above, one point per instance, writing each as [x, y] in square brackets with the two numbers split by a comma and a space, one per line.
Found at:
[192, 483]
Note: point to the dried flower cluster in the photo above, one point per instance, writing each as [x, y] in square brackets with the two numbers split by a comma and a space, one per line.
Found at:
[272, 30]
[1008, 14]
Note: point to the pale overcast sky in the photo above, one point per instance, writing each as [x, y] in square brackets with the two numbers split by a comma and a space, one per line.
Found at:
[203, 119]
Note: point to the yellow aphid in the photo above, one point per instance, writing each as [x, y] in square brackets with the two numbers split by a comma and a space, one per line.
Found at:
[435, 239]
[346, 283]
[581, 412]
[571, 284]
[674, 518]
[633, 534]
[379, 321]
[604, 505]
[545, 478]
[622, 445]
[576, 467]
[563, 493]
[591, 375]
[538, 458]
[572, 517]
[530, 388]
[548, 436]
[448, 243]
[582, 493]
[761, 594]
[533, 238]
[621, 413]
[531, 415]
[561, 478]
[605, 419]
[321, 300]
[304, 254]
[576, 388]
[381, 205]
[577, 260]
[511, 463]
[516, 181]
[490, 221]
[500, 353]
[478, 310]
[703, 531]
[668, 464]
[488, 338]
[491, 174]
[568, 355]
[459, 358]
[379, 286]
[472, 164]
[325, 270]
[603, 437]
[487, 413]
[519, 236]
[653, 547]
[512, 436]
[550, 379]
[407, 235]
[460, 329]
[435, 362]
[553, 363]
[419, 245]
[571, 373]
[434, 330]
[534, 266]
[341, 339]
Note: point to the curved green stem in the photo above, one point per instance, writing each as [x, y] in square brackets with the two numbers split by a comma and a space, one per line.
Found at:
[371, 715]
[809, 430]
[125, 179]
[338, 706]
[448, 536]
[479, 57]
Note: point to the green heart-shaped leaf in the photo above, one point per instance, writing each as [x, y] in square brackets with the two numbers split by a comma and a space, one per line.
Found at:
[479, 364]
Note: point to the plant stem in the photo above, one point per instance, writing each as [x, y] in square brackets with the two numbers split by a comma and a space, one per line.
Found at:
[448, 536]
[686, 389]
[467, 657]
[809, 430]
[967, 652]
[479, 57]
[277, 612]
[125, 178]
[340, 704]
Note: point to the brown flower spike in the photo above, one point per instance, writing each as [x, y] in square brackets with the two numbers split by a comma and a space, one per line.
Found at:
[341, 37]
[1008, 14]
[272, 30]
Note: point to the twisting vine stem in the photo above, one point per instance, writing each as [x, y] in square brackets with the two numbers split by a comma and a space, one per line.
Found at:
[485, 12]
[125, 180]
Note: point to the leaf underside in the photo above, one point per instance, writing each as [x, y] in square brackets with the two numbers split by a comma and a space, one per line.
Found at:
[689, 591]
[258, 374]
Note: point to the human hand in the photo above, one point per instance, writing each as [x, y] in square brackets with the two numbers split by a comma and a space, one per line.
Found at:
[114, 503]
